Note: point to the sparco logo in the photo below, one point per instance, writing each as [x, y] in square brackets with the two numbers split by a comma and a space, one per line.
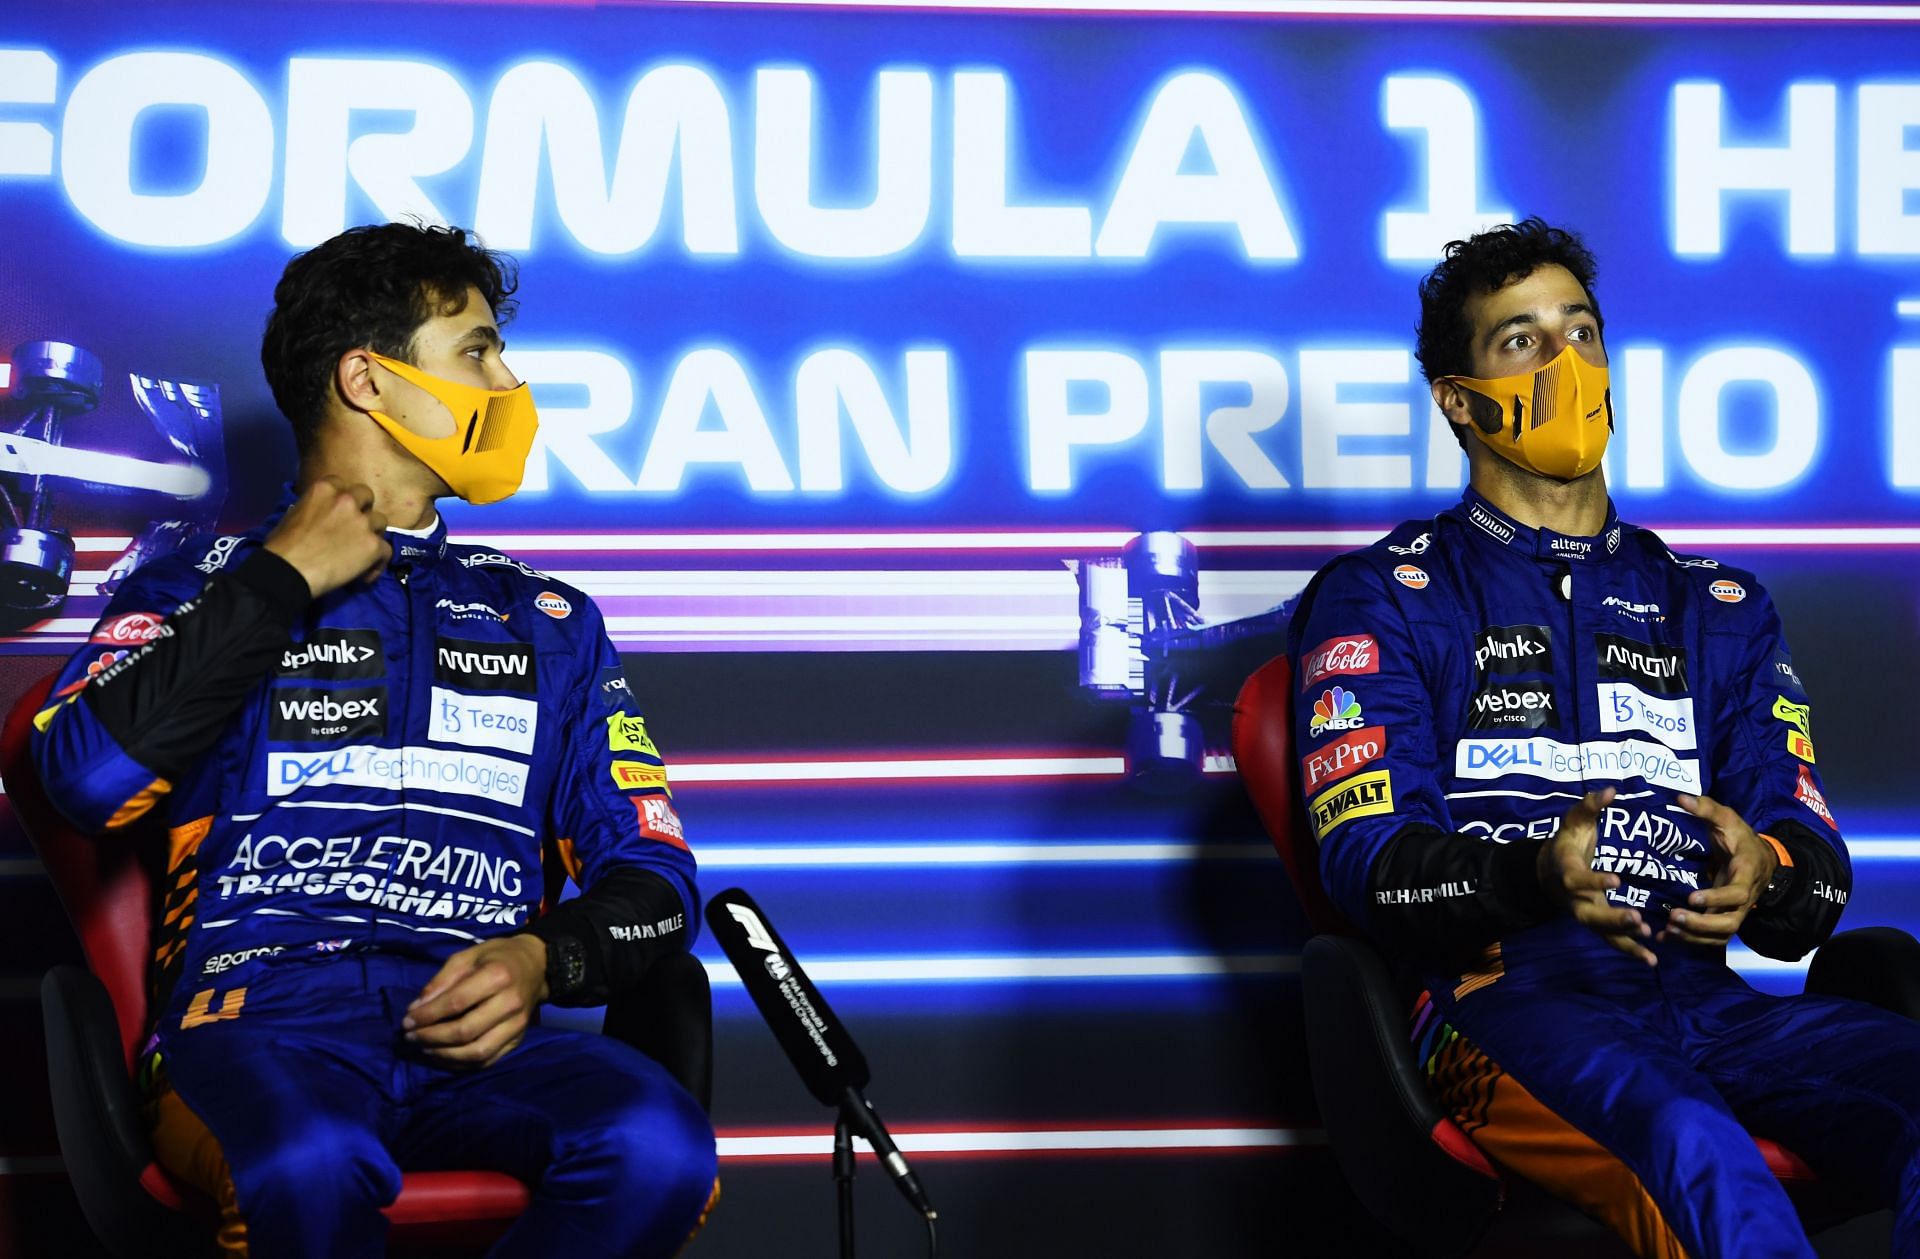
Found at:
[335, 653]
[1514, 649]
[1511, 705]
[484, 666]
[306, 714]
[1357, 653]
[1658, 670]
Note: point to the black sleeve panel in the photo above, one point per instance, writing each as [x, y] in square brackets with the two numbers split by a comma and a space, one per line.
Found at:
[1793, 922]
[1447, 896]
[616, 928]
[167, 703]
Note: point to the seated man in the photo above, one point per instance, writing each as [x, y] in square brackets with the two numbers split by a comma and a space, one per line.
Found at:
[1535, 748]
[359, 736]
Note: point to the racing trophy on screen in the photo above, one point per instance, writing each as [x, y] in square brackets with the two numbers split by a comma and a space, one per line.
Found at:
[54, 385]
[1144, 643]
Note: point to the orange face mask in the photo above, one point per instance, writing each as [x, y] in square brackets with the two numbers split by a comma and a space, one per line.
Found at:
[485, 457]
[1554, 421]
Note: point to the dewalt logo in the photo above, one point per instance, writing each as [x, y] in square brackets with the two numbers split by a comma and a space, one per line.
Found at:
[1364, 795]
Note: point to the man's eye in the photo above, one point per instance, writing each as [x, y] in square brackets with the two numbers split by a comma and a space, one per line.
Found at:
[1580, 334]
[1520, 342]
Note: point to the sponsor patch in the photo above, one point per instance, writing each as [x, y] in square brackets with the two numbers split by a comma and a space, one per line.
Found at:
[1726, 590]
[1513, 649]
[1490, 523]
[220, 963]
[484, 721]
[1354, 653]
[1364, 795]
[1512, 705]
[1336, 709]
[1800, 745]
[1629, 825]
[1644, 613]
[1657, 670]
[1343, 756]
[392, 769]
[129, 629]
[659, 821]
[454, 610]
[309, 714]
[613, 685]
[482, 666]
[1807, 793]
[1416, 547]
[553, 605]
[1799, 716]
[640, 776]
[219, 553]
[493, 559]
[626, 733]
[1597, 760]
[1625, 708]
[1783, 672]
[1578, 548]
[335, 654]
[1412, 576]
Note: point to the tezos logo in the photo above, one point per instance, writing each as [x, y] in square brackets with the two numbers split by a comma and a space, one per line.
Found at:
[1411, 576]
[553, 605]
[1336, 709]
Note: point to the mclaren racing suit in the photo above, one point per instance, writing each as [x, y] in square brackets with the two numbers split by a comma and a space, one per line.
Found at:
[1462, 683]
[353, 788]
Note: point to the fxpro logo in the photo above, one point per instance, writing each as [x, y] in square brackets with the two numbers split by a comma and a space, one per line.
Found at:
[1595, 760]
[394, 769]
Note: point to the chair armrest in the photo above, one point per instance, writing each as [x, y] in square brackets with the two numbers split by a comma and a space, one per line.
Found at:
[1878, 965]
[96, 1112]
[668, 1016]
[1379, 1117]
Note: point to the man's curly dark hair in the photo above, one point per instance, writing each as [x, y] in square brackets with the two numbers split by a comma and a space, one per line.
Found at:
[1487, 263]
[370, 286]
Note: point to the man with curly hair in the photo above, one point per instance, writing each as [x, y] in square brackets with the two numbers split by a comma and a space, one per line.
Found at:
[1564, 768]
[359, 736]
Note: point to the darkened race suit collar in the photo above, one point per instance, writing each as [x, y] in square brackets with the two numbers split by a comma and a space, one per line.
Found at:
[409, 550]
[1488, 521]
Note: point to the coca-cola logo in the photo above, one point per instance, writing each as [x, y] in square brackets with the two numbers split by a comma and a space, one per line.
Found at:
[128, 629]
[1355, 653]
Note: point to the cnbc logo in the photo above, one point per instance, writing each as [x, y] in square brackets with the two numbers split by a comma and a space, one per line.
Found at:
[1336, 709]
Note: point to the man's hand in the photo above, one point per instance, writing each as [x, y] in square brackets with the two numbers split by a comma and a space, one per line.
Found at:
[332, 535]
[1566, 872]
[478, 1006]
[1715, 915]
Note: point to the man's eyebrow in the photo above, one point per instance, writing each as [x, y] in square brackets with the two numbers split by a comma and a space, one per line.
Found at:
[484, 333]
[1526, 319]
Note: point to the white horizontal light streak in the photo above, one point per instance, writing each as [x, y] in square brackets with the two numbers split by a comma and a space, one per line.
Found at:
[1908, 306]
[1642, 11]
[1022, 853]
[914, 768]
[1029, 967]
[1028, 1141]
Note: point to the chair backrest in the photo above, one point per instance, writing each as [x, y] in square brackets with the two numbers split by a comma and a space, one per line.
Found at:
[1263, 750]
[107, 891]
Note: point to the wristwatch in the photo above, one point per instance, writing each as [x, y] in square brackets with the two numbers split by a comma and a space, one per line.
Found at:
[1777, 887]
[566, 967]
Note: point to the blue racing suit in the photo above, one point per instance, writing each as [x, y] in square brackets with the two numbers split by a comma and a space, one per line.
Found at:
[352, 789]
[1463, 683]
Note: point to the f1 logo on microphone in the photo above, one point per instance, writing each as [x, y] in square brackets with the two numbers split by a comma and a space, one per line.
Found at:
[756, 930]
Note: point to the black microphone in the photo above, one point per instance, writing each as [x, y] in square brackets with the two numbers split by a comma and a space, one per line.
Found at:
[817, 1043]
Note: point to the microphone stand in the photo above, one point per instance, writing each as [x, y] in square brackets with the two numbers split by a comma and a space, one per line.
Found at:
[843, 1165]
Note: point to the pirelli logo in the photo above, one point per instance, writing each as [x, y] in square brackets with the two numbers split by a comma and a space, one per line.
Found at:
[1363, 795]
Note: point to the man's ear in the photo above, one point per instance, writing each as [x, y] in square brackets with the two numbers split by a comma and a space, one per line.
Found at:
[356, 381]
[1452, 401]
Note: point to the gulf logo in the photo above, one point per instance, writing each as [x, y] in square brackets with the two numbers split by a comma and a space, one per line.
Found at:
[553, 605]
[1411, 576]
[1727, 591]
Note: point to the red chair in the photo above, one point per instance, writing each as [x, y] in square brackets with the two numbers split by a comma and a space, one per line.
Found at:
[96, 1017]
[1413, 1169]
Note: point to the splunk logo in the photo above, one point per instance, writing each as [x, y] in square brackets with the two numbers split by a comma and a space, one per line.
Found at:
[394, 769]
[335, 653]
[1513, 649]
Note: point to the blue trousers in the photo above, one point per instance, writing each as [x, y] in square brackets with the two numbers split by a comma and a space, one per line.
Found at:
[1636, 1093]
[314, 1103]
